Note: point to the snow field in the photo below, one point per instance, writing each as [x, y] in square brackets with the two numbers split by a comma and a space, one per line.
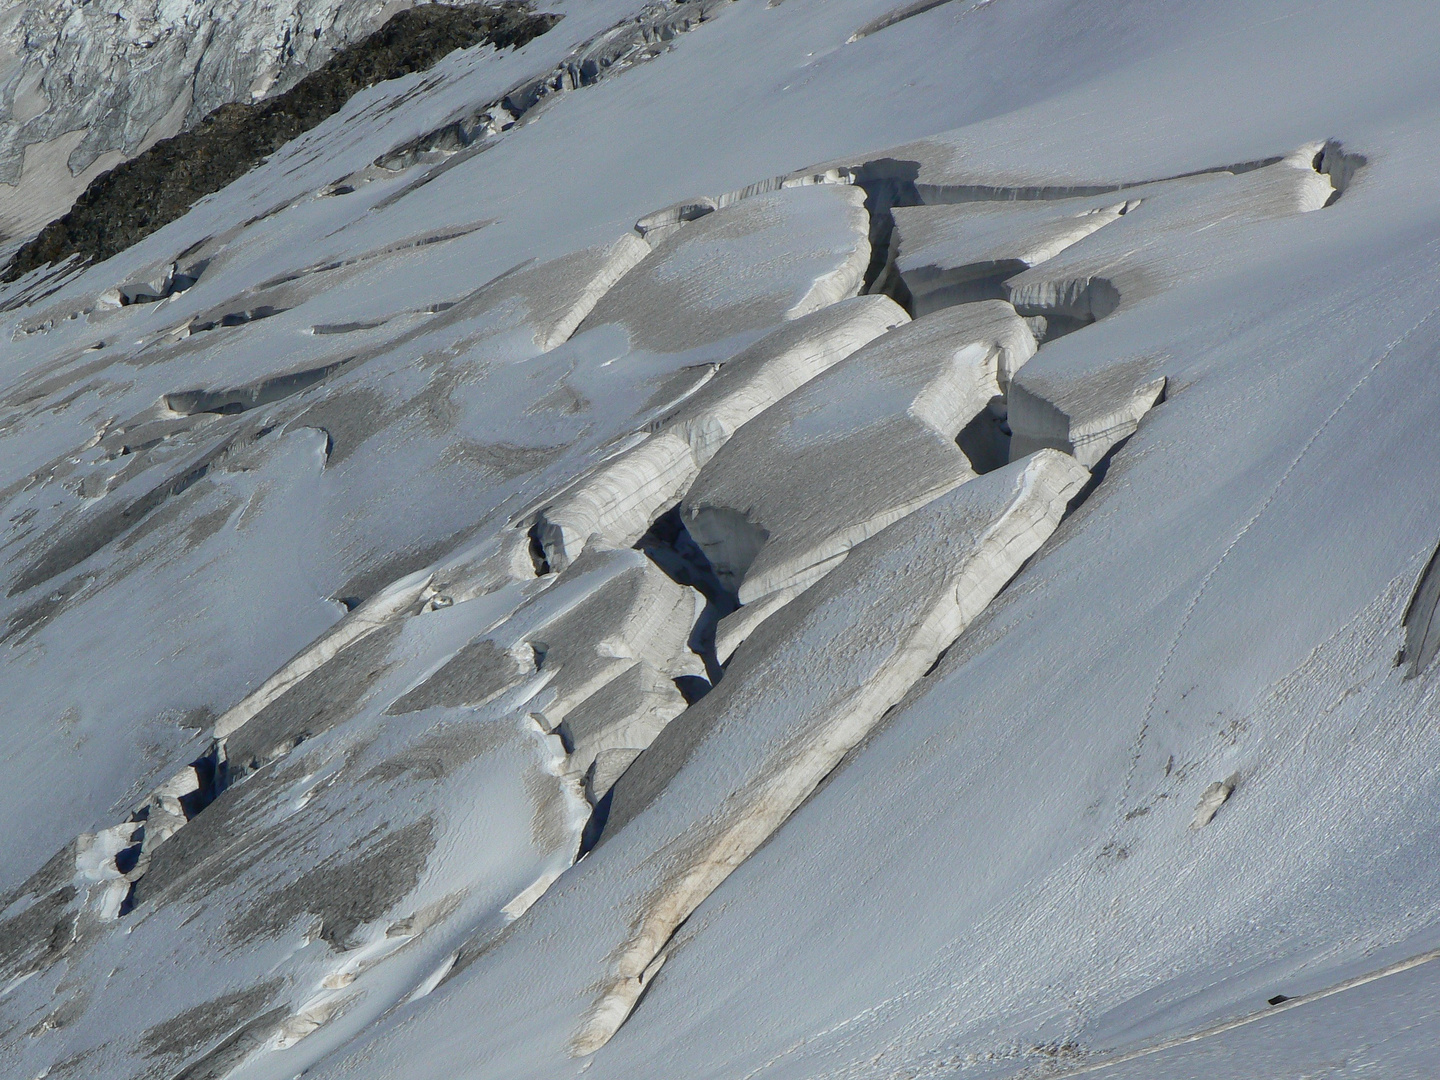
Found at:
[359, 582]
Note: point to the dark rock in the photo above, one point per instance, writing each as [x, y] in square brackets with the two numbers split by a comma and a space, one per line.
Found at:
[139, 196]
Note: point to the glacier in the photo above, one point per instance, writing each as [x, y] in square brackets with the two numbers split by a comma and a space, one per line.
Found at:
[740, 539]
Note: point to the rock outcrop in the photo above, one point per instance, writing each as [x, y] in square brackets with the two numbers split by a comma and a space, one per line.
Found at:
[139, 196]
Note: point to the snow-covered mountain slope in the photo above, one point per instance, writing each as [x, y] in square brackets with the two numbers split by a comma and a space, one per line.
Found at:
[878, 541]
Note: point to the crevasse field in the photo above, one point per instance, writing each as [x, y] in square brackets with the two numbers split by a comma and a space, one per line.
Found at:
[756, 541]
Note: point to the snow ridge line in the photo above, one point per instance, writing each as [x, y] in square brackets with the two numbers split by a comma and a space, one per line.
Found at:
[1242, 1021]
[1245, 529]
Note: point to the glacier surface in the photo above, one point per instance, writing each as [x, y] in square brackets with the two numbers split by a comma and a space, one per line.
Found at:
[756, 539]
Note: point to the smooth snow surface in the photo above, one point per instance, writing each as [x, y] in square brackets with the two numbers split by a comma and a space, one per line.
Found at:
[885, 540]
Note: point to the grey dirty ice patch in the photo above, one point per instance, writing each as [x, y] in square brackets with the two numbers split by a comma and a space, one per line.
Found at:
[68, 546]
[315, 705]
[169, 515]
[477, 673]
[499, 461]
[439, 754]
[433, 410]
[373, 573]
[217, 846]
[197, 1027]
[564, 399]
[72, 1004]
[670, 390]
[251, 395]
[211, 522]
[653, 770]
[42, 931]
[347, 417]
[56, 872]
[200, 718]
[549, 824]
[222, 1061]
[32, 618]
[52, 377]
[345, 895]
[72, 1066]
[77, 537]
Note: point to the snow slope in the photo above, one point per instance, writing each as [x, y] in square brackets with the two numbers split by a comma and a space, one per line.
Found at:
[357, 588]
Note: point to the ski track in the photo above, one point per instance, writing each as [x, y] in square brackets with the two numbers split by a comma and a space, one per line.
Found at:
[1215, 569]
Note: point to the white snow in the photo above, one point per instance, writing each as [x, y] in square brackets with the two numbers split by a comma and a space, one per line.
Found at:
[933, 816]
